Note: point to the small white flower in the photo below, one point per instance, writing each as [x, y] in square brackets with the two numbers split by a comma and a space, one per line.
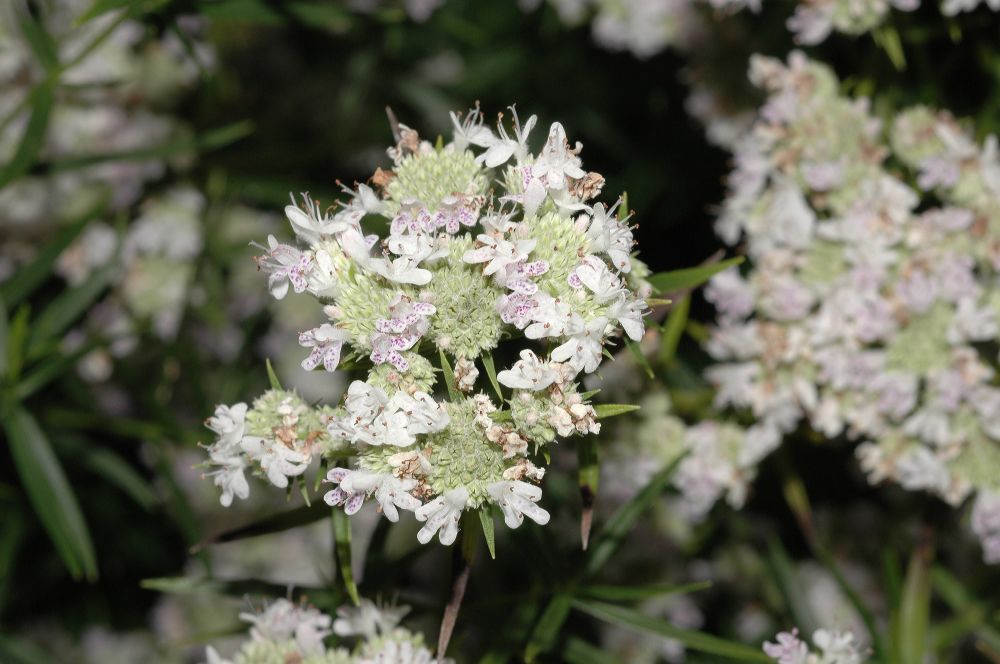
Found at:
[367, 619]
[584, 350]
[284, 264]
[557, 160]
[355, 485]
[408, 322]
[229, 477]
[610, 236]
[552, 317]
[518, 500]
[593, 273]
[402, 270]
[282, 621]
[499, 149]
[442, 514]
[277, 460]
[326, 342]
[528, 373]
[228, 423]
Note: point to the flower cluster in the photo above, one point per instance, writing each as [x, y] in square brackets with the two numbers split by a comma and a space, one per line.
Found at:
[284, 632]
[832, 647]
[462, 267]
[278, 438]
[111, 91]
[871, 297]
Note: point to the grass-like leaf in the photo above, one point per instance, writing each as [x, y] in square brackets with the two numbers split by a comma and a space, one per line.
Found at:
[42, 98]
[342, 552]
[489, 533]
[108, 465]
[622, 521]
[491, 373]
[31, 276]
[578, 651]
[68, 306]
[50, 493]
[699, 641]
[274, 523]
[272, 377]
[910, 623]
[547, 629]
[673, 328]
[612, 409]
[449, 377]
[675, 280]
[636, 593]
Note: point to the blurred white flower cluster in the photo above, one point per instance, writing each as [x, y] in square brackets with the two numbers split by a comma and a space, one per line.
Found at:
[646, 27]
[871, 306]
[461, 268]
[831, 647]
[116, 83]
[284, 632]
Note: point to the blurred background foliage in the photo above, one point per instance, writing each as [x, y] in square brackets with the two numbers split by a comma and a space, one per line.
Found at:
[100, 501]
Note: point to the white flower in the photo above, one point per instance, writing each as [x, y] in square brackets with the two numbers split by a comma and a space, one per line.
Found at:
[228, 423]
[354, 486]
[407, 323]
[367, 619]
[326, 342]
[276, 459]
[584, 350]
[552, 317]
[310, 224]
[788, 649]
[528, 373]
[284, 264]
[593, 273]
[229, 477]
[375, 419]
[610, 236]
[498, 253]
[282, 621]
[557, 161]
[402, 270]
[517, 500]
[628, 311]
[499, 149]
[442, 514]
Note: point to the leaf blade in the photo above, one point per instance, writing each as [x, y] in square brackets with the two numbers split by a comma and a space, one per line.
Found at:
[692, 277]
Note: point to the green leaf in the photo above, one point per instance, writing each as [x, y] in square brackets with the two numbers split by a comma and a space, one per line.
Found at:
[52, 368]
[342, 552]
[15, 650]
[636, 593]
[547, 629]
[911, 622]
[668, 282]
[111, 467]
[640, 358]
[272, 377]
[486, 521]
[192, 585]
[12, 532]
[624, 518]
[783, 573]
[17, 336]
[449, 377]
[578, 651]
[491, 373]
[3, 339]
[38, 38]
[31, 276]
[68, 306]
[42, 98]
[698, 641]
[212, 139]
[588, 478]
[673, 328]
[50, 493]
[604, 410]
[273, 523]
[134, 7]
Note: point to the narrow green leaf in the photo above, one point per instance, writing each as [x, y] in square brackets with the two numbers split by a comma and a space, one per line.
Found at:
[15, 650]
[486, 522]
[17, 338]
[12, 532]
[914, 608]
[38, 38]
[342, 552]
[31, 276]
[623, 207]
[783, 573]
[640, 358]
[3, 339]
[668, 282]
[272, 377]
[192, 585]
[636, 593]
[673, 328]
[42, 98]
[699, 641]
[68, 306]
[50, 493]
[212, 139]
[589, 393]
[588, 478]
[273, 523]
[604, 410]
[104, 463]
[546, 632]
[491, 373]
[52, 368]
[578, 651]
[449, 377]
[624, 518]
